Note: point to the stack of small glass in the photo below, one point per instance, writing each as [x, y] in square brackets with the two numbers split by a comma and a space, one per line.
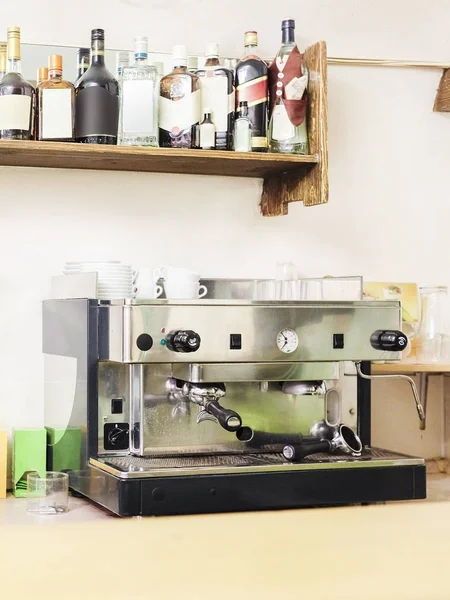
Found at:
[433, 339]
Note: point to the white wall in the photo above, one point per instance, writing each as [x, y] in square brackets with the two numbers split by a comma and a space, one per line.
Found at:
[389, 156]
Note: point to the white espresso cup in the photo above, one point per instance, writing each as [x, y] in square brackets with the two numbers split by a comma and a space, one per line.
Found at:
[179, 274]
[184, 290]
[146, 285]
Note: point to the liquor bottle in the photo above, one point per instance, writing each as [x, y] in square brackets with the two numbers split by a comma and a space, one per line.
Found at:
[243, 129]
[41, 75]
[252, 86]
[217, 92]
[83, 61]
[16, 95]
[288, 81]
[207, 132]
[122, 60]
[97, 98]
[2, 59]
[55, 100]
[179, 104]
[139, 100]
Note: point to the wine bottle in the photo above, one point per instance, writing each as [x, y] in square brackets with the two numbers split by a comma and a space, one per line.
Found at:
[97, 98]
[16, 95]
[179, 104]
[288, 81]
[83, 61]
[55, 99]
[217, 93]
[2, 60]
[252, 86]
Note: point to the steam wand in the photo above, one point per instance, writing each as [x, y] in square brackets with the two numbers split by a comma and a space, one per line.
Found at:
[420, 409]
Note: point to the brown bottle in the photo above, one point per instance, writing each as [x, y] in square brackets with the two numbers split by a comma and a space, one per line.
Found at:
[55, 105]
[179, 104]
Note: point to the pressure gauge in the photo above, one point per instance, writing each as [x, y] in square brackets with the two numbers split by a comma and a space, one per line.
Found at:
[287, 340]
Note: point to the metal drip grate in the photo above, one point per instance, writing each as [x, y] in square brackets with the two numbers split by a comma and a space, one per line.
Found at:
[183, 462]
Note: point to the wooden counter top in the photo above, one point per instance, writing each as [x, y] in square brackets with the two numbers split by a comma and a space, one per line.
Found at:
[396, 551]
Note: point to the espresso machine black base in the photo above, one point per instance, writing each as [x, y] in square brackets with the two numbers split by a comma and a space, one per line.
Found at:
[154, 496]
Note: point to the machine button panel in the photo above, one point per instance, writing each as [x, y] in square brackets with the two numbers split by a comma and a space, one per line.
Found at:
[235, 341]
[144, 342]
[338, 341]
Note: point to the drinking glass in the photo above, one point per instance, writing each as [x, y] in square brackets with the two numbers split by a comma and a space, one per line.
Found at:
[47, 494]
[433, 329]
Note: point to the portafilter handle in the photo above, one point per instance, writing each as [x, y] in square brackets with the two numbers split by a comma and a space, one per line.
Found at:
[207, 396]
[296, 452]
[419, 407]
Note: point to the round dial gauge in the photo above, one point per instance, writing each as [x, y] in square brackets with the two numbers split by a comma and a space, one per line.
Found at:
[287, 340]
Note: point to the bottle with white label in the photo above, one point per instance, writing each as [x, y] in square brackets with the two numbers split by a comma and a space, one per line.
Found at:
[243, 129]
[139, 100]
[217, 92]
[2, 60]
[16, 95]
[55, 100]
[179, 104]
[288, 82]
[207, 132]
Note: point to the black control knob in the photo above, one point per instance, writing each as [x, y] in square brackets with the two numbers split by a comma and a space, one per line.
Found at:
[390, 340]
[184, 340]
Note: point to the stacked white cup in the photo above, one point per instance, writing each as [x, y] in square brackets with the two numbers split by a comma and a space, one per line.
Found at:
[146, 284]
[182, 284]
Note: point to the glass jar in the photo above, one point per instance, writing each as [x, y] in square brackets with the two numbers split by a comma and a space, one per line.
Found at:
[432, 339]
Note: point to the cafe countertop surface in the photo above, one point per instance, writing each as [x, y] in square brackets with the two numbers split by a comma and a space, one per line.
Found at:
[397, 550]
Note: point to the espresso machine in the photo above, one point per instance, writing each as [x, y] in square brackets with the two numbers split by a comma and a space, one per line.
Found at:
[171, 407]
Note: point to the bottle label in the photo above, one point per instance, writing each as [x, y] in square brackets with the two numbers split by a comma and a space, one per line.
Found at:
[253, 92]
[288, 81]
[282, 128]
[15, 112]
[259, 142]
[215, 95]
[138, 105]
[57, 114]
[176, 116]
[207, 136]
[96, 112]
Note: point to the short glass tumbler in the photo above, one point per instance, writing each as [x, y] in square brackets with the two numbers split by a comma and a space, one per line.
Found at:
[48, 494]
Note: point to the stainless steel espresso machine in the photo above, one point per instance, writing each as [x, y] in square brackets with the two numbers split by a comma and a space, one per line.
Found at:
[198, 406]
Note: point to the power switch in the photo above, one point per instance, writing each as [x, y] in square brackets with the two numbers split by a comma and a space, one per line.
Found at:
[235, 341]
[338, 341]
[116, 406]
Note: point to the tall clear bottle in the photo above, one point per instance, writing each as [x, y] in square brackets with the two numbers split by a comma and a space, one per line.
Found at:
[179, 104]
[139, 100]
[288, 81]
[97, 98]
[252, 87]
[17, 96]
[217, 93]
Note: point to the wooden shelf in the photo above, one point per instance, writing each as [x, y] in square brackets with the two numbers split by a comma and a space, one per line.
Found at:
[287, 178]
[154, 160]
[409, 367]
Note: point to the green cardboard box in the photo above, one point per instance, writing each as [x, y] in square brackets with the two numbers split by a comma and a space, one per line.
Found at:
[29, 455]
[63, 449]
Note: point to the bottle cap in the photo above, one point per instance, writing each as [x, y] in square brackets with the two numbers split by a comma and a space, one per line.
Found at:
[206, 110]
[243, 103]
[98, 34]
[192, 62]
[250, 38]
[141, 47]
[83, 52]
[288, 24]
[179, 55]
[13, 35]
[42, 74]
[55, 63]
[212, 50]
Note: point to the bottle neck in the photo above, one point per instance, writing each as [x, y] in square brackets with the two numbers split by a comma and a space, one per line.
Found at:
[55, 75]
[288, 36]
[251, 49]
[98, 52]
[140, 59]
[244, 111]
[212, 61]
[14, 65]
[179, 68]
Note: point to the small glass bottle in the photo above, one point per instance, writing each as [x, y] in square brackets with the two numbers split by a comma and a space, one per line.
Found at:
[83, 61]
[2, 59]
[55, 105]
[41, 75]
[122, 61]
[179, 108]
[17, 96]
[139, 101]
[288, 81]
[207, 132]
[243, 130]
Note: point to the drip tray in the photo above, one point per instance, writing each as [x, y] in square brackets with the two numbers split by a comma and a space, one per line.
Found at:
[214, 464]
